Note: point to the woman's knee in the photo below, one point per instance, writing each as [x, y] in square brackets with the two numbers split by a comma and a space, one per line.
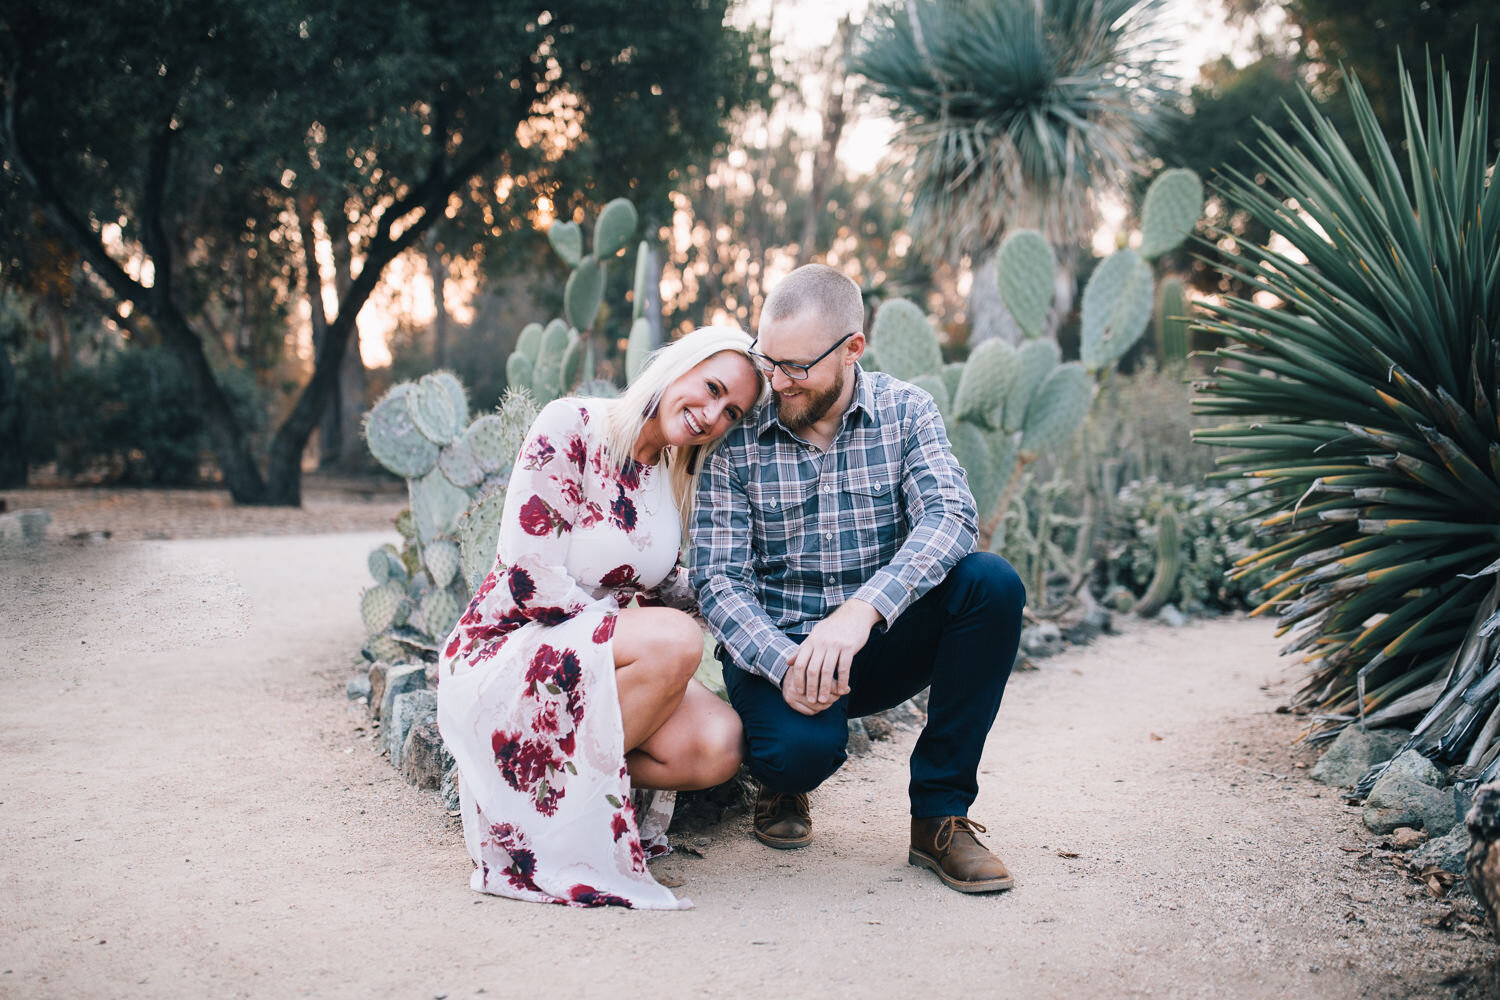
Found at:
[720, 747]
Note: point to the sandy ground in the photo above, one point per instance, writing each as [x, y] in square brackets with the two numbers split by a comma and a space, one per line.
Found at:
[190, 808]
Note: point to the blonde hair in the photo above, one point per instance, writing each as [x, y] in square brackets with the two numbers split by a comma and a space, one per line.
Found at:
[828, 293]
[626, 416]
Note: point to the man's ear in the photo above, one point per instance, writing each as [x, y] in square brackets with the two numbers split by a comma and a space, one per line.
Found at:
[856, 345]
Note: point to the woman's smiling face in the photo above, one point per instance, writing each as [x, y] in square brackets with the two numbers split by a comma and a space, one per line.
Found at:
[703, 404]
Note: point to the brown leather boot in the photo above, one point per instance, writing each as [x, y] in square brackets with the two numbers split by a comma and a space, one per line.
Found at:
[782, 821]
[947, 845]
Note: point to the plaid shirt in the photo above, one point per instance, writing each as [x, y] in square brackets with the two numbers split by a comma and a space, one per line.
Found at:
[782, 535]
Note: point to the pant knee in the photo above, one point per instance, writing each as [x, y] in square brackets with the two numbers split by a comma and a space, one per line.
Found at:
[800, 761]
[993, 580]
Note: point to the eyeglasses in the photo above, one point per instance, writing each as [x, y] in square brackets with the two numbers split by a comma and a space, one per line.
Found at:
[791, 369]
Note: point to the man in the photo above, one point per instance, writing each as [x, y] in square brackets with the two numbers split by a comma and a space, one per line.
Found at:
[832, 551]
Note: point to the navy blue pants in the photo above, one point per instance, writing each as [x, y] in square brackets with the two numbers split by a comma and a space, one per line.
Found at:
[960, 638]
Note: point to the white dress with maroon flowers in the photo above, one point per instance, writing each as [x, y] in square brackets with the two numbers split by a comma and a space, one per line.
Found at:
[526, 683]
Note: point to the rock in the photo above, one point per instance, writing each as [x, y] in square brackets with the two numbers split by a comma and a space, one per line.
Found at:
[1404, 838]
[1408, 794]
[910, 714]
[1354, 751]
[877, 727]
[859, 740]
[24, 527]
[1447, 852]
[399, 680]
[408, 709]
[358, 689]
[449, 790]
[1169, 615]
[424, 758]
[376, 677]
[1042, 639]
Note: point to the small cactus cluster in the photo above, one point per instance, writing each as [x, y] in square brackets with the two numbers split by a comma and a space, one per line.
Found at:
[1180, 545]
[558, 359]
[456, 473]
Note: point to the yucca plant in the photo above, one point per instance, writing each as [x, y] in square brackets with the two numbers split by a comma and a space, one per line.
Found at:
[1363, 379]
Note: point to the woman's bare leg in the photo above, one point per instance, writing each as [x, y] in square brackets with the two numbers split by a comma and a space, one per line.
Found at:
[699, 746]
[656, 652]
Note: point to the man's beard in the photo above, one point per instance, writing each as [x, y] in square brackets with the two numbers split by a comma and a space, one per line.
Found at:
[809, 408]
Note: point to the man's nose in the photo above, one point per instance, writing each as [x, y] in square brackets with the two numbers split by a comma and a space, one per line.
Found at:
[786, 381]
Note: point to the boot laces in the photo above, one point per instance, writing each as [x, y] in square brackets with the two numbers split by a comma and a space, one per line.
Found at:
[770, 805]
[952, 825]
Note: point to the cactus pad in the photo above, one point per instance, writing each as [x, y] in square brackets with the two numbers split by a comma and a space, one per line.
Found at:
[431, 407]
[1025, 269]
[404, 523]
[384, 649]
[382, 606]
[479, 537]
[583, 293]
[456, 395]
[518, 370]
[485, 440]
[1174, 201]
[988, 377]
[1173, 318]
[908, 346]
[460, 466]
[869, 360]
[567, 239]
[1005, 450]
[1034, 360]
[440, 556]
[616, 227]
[934, 387]
[516, 413]
[546, 376]
[435, 505]
[1057, 410]
[441, 608]
[972, 450]
[529, 341]
[953, 374]
[642, 276]
[638, 350]
[573, 364]
[599, 388]
[1116, 308]
[394, 439]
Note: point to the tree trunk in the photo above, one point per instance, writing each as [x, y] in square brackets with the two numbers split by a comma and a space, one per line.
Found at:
[438, 269]
[825, 164]
[12, 427]
[353, 456]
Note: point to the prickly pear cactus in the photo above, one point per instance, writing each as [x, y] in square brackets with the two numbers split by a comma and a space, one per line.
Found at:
[934, 386]
[529, 342]
[1025, 269]
[638, 349]
[971, 446]
[907, 344]
[1057, 410]
[583, 293]
[393, 436]
[1034, 360]
[1174, 201]
[616, 227]
[987, 379]
[567, 240]
[642, 283]
[1116, 308]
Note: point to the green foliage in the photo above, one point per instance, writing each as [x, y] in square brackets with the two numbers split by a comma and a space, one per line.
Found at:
[1173, 205]
[1025, 267]
[1173, 322]
[1116, 308]
[1367, 406]
[130, 417]
[906, 341]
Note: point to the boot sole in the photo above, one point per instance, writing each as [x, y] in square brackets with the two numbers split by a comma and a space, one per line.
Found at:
[922, 860]
[784, 843]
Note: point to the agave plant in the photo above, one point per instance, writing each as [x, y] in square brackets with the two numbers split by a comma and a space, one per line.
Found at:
[1363, 381]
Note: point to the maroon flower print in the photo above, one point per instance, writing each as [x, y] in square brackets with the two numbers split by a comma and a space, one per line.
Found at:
[589, 896]
[605, 631]
[522, 586]
[539, 518]
[452, 649]
[550, 616]
[578, 452]
[538, 454]
[523, 764]
[619, 826]
[566, 744]
[630, 474]
[622, 511]
[620, 576]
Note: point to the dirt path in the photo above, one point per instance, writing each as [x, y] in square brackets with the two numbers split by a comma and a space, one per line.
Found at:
[188, 809]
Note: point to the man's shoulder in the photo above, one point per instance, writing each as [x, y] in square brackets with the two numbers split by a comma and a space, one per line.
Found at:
[891, 398]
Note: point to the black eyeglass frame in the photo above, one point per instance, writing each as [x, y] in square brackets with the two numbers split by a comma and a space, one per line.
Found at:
[795, 370]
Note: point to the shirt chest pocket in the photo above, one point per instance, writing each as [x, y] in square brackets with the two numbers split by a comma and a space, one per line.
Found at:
[779, 509]
[870, 508]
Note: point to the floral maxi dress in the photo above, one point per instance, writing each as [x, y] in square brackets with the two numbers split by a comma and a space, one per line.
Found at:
[527, 701]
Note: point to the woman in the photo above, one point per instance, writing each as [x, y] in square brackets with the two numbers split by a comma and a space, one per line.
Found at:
[553, 696]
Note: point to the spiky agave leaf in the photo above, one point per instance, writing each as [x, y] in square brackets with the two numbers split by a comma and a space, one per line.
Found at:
[1364, 399]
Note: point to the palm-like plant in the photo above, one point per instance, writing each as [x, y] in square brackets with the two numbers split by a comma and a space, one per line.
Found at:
[1368, 399]
[1014, 113]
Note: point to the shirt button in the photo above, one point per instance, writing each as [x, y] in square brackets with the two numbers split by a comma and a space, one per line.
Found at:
[828, 535]
[827, 489]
